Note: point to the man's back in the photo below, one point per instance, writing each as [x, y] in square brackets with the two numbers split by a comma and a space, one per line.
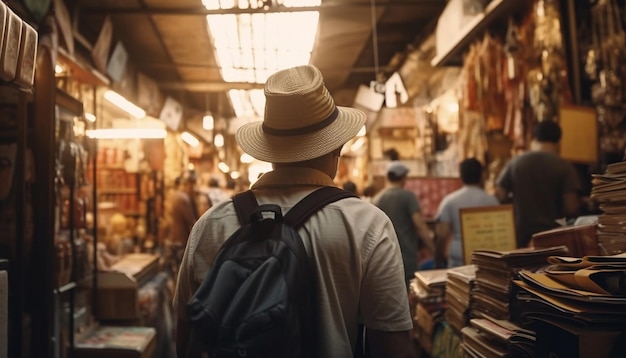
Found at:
[538, 181]
[351, 243]
[400, 205]
[449, 212]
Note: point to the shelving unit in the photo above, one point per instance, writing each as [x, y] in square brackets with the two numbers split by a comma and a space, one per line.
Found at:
[495, 11]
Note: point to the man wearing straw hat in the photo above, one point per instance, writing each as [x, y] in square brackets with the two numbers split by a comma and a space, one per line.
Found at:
[358, 265]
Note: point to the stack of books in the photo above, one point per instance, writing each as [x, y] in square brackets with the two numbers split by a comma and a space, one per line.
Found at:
[609, 190]
[429, 289]
[489, 337]
[493, 292]
[459, 284]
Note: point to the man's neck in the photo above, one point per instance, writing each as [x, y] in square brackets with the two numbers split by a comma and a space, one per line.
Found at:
[397, 184]
[545, 147]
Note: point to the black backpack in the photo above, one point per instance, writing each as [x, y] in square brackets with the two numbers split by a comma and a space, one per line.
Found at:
[257, 300]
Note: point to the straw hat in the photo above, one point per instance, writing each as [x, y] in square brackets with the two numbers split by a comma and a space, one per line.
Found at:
[301, 120]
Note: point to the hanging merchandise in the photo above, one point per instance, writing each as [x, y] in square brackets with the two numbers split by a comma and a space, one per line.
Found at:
[513, 83]
[605, 65]
[547, 79]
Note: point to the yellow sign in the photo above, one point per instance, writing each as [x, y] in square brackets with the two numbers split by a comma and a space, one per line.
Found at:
[487, 228]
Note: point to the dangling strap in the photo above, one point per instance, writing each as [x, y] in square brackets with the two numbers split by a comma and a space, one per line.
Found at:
[245, 205]
[313, 202]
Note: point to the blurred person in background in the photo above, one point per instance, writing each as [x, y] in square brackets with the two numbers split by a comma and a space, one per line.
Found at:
[403, 208]
[543, 186]
[449, 248]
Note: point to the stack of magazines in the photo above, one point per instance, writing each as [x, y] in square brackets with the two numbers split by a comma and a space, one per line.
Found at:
[609, 190]
[493, 292]
[459, 286]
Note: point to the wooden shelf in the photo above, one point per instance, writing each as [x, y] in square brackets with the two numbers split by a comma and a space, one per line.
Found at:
[117, 191]
[111, 167]
[68, 102]
[82, 72]
[496, 10]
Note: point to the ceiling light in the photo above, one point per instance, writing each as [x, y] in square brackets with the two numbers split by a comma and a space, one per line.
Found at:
[223, 167]
[127, 133]
[208, 123]
[250, 47]
[218, 140]
[90, 117]
[190, 139]
[235, 175]
[124, 104]
[58, 69]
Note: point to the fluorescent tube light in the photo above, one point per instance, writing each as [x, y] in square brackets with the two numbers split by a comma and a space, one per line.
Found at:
[124, 104]
[190, 139]
[127, 133]
[223, 167]
[90, 117]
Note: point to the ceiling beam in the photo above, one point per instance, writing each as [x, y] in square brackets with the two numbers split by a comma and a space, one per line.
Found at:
[206, 86]
[428, 5]
[358, 69]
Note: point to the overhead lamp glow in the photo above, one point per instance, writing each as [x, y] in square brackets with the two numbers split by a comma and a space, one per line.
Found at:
[246, 158]
[358, 144]
[223, 167]
[90, 117]
[124, 104]
[218, 140]
[58, 69]
[250, 47]
[208, 122]
[190, 139]
[235, 175]
[126, 133]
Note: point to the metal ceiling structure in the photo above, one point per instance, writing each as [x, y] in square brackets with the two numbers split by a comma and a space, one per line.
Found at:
[168, 41]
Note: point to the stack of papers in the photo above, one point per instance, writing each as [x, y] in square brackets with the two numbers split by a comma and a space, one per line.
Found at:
[459, 285]
[588, 291]
[609, 190]
[493, 292]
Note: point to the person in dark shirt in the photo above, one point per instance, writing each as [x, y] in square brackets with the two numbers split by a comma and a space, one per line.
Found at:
[543, 186]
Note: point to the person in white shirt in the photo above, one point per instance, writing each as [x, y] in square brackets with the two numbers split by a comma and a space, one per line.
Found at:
[448, 228]
[353, 245]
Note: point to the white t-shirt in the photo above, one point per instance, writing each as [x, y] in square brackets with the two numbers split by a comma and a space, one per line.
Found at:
[466, 197]
[353, 244]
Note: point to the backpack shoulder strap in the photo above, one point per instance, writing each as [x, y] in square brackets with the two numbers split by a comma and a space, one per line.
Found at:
[245, 205]
[313, 202]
